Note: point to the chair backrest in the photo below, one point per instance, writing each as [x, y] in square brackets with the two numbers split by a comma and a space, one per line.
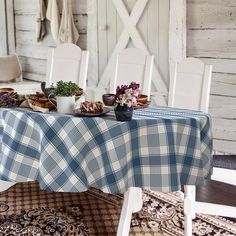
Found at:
[67, 62]
[132, 64]
[10, 68]
[190, 87]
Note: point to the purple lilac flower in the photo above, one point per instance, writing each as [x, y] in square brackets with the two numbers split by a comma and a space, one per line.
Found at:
[127, 94]
[8, 100]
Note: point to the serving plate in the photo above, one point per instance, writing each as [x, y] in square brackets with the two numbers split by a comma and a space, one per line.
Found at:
[78, 112]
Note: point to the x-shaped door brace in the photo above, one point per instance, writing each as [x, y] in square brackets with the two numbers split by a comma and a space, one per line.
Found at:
[130, 31]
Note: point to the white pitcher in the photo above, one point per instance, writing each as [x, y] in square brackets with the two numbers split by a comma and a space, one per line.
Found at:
[67, 105]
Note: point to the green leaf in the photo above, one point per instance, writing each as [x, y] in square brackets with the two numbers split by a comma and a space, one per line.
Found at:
[66, 89]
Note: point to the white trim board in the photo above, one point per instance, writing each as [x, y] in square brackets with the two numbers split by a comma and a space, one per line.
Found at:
[224, 175]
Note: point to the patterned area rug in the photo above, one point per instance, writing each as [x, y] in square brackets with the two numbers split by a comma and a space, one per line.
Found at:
[27, 210]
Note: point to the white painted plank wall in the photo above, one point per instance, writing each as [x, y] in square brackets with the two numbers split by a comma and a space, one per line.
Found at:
[3, 27]
[33, 54]
[177, 34]
[153, 27]
[212, 38]
[10, 26]
[92, 44]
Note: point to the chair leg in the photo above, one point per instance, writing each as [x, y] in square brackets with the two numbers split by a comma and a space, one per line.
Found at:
[193, 190]
[192, 195]
[188, 209]
[132, 203]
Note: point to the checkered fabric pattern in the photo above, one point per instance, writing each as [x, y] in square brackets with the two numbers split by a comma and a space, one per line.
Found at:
[160, 148]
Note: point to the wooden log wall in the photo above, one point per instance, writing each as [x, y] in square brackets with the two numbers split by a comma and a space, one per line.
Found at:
[33, 54]
[212, 38]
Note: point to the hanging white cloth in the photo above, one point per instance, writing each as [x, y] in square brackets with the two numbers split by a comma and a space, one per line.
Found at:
[53, 16]
[40, 20]
[68, 32]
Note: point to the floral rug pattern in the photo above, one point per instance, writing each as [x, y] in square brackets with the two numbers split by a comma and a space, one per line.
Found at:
[44, 221]
[165, 212]
[25, 210]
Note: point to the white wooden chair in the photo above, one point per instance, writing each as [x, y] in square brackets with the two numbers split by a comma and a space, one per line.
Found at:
[132, 64]
[67, 62]
[190, 89]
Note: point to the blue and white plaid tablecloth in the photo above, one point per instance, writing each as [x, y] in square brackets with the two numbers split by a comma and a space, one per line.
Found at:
[160, 148]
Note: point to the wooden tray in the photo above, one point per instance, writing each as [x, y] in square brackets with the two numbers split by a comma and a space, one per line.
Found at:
[78, 112]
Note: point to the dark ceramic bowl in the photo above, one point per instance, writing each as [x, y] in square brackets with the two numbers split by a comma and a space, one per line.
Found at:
[108, 99]
[47, 91]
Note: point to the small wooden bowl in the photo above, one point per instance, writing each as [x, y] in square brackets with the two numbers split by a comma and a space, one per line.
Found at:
[142, 99]
[79, 92]
[108, 99]
[6, 90]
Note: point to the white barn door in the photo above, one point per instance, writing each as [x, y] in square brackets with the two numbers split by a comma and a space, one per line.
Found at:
[116, 24]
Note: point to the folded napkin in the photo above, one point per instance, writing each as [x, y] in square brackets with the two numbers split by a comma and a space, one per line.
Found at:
[29, 104]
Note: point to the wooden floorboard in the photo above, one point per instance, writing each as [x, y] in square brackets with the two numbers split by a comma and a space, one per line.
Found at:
[217, 192]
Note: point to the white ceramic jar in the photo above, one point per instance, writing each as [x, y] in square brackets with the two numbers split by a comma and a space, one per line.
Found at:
[65, 104]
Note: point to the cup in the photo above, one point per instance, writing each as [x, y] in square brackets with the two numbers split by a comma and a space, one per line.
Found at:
[108, 99]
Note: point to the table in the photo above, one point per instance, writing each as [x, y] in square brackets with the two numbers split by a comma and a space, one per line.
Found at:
[160, 148]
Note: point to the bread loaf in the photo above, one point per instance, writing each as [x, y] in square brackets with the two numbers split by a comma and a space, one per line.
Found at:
[40, 100]
[90, 107]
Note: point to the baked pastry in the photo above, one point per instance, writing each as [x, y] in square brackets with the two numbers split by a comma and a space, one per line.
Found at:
[36, 96]
[40, 100]
[91, 107]
[50, 105]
